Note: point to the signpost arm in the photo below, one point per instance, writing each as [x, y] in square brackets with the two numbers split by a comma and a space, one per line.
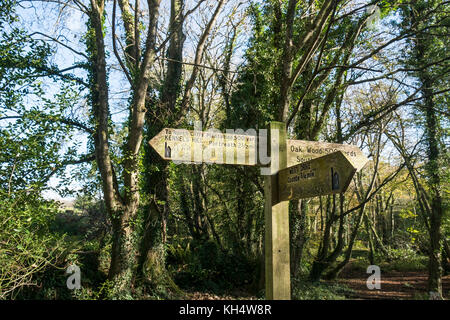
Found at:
[277, 261]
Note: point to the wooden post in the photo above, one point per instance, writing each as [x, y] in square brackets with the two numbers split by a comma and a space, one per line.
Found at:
[277, 261]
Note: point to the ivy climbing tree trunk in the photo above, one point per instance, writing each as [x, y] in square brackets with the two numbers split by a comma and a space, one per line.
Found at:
[122, 255]
[432, 168]
[423, 46]
[122, 205]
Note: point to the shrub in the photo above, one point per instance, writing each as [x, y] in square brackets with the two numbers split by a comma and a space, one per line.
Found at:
[405, 260]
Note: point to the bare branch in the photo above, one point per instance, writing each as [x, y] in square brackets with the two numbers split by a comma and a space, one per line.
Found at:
[61, 43]
[116, 53]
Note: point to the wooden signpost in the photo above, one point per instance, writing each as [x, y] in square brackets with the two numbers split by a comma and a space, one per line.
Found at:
[298, 169]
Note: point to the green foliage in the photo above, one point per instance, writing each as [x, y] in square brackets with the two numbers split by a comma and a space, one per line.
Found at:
[404, 260]
[38, 242]
[400, 260]
[35, 126]
[34, 132]
[21, 58]
[7, 12]
[306, 290]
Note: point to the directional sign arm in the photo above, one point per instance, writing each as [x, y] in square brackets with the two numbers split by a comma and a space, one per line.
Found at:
[329, 174]
[192, 146]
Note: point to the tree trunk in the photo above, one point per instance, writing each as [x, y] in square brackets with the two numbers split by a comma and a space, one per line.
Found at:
[333, 273]
[123, 260]
[369, 239]
[123, 255]
[152, 252]
[320, 264]
[298, 226]
[435, 267]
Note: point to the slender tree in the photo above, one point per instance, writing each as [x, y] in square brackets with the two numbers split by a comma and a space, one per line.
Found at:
[430, 44]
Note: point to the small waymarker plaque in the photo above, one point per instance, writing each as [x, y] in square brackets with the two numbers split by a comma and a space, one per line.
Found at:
[191, 146]
[300, 151]
[328, 174]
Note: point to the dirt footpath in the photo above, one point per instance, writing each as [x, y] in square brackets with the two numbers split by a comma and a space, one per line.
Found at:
[394, 285]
